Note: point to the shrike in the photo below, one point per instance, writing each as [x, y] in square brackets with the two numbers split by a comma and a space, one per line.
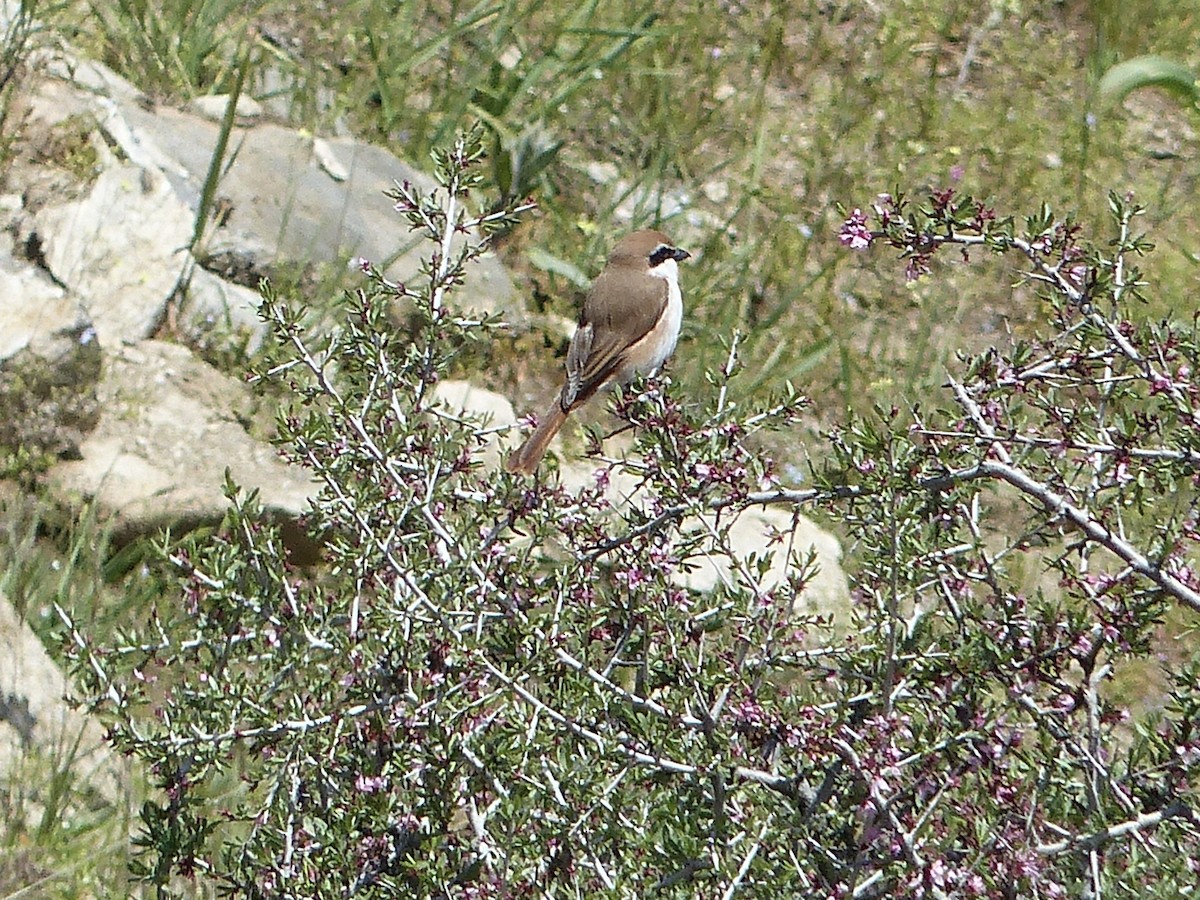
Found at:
[629, 325]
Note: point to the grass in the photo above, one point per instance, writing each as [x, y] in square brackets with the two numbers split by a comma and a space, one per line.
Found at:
[785, 109]
[60, 836]
[56, 838]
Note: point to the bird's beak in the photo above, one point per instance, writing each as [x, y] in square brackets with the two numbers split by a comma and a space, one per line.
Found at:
[680, 255]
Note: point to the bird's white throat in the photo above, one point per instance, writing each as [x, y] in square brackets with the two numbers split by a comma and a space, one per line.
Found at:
[672, 319]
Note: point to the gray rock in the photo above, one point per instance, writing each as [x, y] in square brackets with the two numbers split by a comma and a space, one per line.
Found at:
[602, 172]
[49, 364]
[716, 190]
[288, 199]
[329, 161]
[85, 74]
[722, 560]
[826, 593]
[211, 304]
[290, 204]
[167, 434]
[492, 412]
[213, 106]
[278, 94]
[164, 430]
[121, 248]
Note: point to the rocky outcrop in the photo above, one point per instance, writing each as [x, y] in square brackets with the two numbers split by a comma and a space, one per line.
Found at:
[170, 427]
[103, 258]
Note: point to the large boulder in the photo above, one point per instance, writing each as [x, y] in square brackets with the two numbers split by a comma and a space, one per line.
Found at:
[170, 428]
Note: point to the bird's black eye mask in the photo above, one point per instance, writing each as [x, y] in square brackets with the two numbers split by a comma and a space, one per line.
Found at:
[663, 252]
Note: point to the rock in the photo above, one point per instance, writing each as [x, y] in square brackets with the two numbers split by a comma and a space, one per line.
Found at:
[327, 158]
[36, 719]
[121, 249]
[213, 106]
[288, 199]
[285, 208]
[91, 77]
[492, 411]
[49, 364]
[32, 308]
[511, 57]
[674, 207]
[603, 172]
[827, 593]
[167, 434]
[212, 304]
[716, 191]
[636, 201]
[276, 89]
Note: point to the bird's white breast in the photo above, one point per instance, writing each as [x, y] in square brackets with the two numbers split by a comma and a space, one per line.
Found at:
[667, 329]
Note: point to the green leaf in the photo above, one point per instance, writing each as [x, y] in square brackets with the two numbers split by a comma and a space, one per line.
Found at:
[555, 265]
[1147, 71]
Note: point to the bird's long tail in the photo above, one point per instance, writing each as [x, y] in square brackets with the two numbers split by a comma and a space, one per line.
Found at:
[524, 460]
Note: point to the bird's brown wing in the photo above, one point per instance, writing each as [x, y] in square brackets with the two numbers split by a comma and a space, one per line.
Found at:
[633, 306]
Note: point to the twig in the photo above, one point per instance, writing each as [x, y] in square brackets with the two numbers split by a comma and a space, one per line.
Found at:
[1095, 531]
[1174, 810]
[744, 869]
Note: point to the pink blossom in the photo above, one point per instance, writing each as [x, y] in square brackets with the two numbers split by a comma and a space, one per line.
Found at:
[1160, 385]
[939, 873]
[1083, 646]
[370, 784]
[917, 266]
[633, 577]
[884, 207]
[854, 232]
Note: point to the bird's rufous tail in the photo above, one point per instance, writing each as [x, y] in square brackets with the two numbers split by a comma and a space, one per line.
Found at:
[524, 460]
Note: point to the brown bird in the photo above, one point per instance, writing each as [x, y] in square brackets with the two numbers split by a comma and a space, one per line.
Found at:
[629, 325]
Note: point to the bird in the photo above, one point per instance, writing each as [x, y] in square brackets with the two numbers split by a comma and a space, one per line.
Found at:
[629, 325]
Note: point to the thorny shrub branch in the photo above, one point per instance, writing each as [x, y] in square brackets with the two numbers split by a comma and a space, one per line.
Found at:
[489, 687]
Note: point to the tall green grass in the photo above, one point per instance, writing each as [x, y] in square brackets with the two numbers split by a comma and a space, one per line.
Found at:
[59, 837]
[791, 107]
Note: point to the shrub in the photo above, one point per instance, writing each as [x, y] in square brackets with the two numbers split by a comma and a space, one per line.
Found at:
[497, 687]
